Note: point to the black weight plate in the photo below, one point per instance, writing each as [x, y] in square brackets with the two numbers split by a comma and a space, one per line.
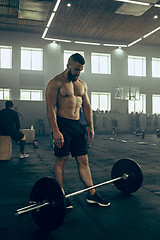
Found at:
[49, 217]
[130, 167]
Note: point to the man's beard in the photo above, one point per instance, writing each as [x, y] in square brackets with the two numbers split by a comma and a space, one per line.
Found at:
[71, 77]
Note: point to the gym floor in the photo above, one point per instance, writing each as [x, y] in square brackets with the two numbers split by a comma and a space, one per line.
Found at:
[136, 216]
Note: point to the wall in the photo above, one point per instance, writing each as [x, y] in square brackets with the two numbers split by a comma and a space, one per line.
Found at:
[53, 64]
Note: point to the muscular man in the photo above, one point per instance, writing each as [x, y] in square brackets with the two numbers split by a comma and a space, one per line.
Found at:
[10, 125]
[65, 94]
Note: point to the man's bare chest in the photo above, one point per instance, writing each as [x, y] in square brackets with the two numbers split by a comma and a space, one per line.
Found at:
[72, 89]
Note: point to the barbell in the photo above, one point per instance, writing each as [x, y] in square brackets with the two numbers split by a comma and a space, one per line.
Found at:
[47, 200]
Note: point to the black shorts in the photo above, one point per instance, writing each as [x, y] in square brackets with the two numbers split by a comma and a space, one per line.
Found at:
[74, 138]
[15, 134]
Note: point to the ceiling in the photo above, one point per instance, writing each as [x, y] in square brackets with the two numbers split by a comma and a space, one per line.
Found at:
[103, 21]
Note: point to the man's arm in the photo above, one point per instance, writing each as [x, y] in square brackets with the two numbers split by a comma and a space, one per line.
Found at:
[17, 121]
[87, 110]
[51, 101]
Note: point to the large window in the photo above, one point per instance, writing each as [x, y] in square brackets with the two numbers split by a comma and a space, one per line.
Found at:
[100, 63]
[4, 94]
[101, 101]
[137, 105]
[32, 58]
[136, 66]
[155, 104]
[67, 54]
[156, 67]
[5, 57]
[31, 95]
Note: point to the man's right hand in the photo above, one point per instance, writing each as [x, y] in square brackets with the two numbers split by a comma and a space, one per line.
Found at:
[58, 139]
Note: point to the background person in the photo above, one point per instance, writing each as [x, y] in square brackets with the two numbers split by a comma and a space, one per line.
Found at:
[10, 126]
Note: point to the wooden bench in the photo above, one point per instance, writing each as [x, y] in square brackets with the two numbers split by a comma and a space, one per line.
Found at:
[5, 147]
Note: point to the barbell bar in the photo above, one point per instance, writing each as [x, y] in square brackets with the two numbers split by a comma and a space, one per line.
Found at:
[47, 201]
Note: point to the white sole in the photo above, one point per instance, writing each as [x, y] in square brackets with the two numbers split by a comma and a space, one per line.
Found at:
[100, 204]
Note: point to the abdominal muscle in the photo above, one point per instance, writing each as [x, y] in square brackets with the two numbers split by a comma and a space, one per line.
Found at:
[69, 106]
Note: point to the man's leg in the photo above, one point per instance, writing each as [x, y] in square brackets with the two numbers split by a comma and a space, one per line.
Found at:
[22, 145]
[59, 169]
[85, 175]
[84, 171]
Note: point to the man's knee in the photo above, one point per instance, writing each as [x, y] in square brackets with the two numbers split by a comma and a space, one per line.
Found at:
[60, 161]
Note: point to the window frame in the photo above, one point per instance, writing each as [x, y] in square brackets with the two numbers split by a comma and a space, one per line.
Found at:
[30, 91]
[3, 93]
[99, 94]
[108, 63]
[31, 61]
[134, 70]
[157, 62]
[10, 57]
[143, 104]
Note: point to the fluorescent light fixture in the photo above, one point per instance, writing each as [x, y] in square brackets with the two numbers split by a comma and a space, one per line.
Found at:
[45, 31]
[138, 40]
[88, 43]
[114, 45]
[50, 20]
[134, 2]
[58, 40]
[56, 6]
[148, 34]
[157, 5]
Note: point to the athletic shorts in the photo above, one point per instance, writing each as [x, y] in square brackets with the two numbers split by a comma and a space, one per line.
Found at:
[74, 138]
[16, 135]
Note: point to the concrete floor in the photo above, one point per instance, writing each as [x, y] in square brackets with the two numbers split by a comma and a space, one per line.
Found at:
[129, 217]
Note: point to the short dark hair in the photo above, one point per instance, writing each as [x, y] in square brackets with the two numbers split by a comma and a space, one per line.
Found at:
[9, 104]
[76, 58]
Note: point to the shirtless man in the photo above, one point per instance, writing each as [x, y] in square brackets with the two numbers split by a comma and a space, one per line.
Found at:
[65, 94]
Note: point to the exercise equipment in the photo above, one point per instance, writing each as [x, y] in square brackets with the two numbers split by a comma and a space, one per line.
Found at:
[47, 201]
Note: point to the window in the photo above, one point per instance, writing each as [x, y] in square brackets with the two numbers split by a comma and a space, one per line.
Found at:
[101, 101]
[32, 59]
[100, 63]
[4, 94]
[136, 66]
[67, 54]
[31, 95]
[137, 105]
[5, 57]
[156, 67]
[155, 104]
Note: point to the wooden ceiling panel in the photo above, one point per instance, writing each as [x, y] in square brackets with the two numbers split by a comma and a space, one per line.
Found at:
[87, 20]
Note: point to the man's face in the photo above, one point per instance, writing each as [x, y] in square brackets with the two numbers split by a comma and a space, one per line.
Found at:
[74, 71]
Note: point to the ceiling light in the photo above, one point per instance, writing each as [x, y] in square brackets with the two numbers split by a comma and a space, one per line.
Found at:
[89, 43]
[50, 20]
[134, 2]
[148, 34]
[56, 6]
[156, 5]
[138, 40]
[114, 45]
[155, 16]
[58, 40]
[45, 31]
[68, 5]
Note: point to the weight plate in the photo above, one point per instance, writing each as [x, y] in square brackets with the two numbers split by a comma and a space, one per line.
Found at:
[135, 178]
[49, 217]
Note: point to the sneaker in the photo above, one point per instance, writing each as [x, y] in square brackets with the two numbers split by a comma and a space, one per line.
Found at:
[24, 155]
[68, 204]
[97, 199]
